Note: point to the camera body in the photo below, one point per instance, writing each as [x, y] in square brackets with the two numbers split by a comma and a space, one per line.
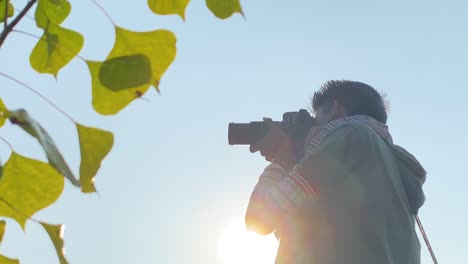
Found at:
[295, 124]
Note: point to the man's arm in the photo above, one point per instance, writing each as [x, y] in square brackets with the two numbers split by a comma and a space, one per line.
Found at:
[279, 193]
[260, 216]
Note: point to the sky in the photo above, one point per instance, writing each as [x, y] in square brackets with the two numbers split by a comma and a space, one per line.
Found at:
[172, 186]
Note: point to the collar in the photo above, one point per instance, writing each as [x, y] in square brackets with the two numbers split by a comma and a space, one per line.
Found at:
[318, 133]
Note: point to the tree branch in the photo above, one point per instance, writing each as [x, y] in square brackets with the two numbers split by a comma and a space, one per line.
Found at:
[15, 21]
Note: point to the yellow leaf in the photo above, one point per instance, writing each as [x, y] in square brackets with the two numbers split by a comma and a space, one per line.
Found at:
[54, 11]
[56, 48]
[106, 101]
[2, 229]
[169, 7]
[5, 260]
[224, 8]
[158, 46]
[94, 146]
[11, 11]
[4, 114]
[55, 233]
[27, 186]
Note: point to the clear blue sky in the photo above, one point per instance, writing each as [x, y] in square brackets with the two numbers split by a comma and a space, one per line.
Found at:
[171, 184]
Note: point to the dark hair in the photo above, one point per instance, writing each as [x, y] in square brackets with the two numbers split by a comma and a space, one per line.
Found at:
[358, 98]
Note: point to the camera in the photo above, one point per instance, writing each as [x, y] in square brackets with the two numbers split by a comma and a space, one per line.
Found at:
[295, 124]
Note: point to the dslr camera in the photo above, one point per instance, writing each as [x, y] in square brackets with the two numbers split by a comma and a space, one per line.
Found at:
[295, 124]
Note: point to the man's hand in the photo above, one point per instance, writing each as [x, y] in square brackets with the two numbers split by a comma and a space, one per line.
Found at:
[276, 146]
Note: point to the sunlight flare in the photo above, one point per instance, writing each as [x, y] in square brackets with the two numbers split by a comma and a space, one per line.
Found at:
[238, 245]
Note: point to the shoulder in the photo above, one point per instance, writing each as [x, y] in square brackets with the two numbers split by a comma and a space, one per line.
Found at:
[349, 133]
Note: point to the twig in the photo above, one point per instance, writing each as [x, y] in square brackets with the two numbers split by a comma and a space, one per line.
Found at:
[104, 11]
[27, 34]
[41, 38]
[15, 21]
[8, 143]
[39, 94]
[28, 16]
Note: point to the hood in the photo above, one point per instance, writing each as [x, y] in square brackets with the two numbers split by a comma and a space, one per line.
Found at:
[412, 173]
[413, 176]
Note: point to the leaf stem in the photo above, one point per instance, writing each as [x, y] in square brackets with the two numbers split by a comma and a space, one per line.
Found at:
[104, 11]
[39, 94]
[28, 16]
[15, 21]
[8, 143]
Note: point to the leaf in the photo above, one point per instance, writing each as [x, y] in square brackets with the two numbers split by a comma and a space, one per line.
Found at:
[2, 229]
[41, 18]
[54, 10]
[224, 8]
[94, 146]
[11, 11]
[27, 186]
[169, 7]
[55, 233]
[3, 259]
[125, 72]
[22, 118]
[158, 46]
[56, 48]
[4, 114]
[106, 101]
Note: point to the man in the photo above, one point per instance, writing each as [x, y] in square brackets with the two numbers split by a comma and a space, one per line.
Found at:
[351, 198]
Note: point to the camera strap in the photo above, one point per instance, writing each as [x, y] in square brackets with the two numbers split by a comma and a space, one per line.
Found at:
[426, 240]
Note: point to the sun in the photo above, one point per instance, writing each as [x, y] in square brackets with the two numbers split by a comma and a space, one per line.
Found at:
[238, 245]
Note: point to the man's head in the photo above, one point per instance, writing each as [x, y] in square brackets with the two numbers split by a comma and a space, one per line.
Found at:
[337, 99]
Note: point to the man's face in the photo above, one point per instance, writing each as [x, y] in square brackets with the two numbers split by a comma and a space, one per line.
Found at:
[328, 112]
[322, 115]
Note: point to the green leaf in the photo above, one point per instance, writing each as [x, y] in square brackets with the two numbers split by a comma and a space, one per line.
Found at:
[11, 11]
[3, 259]
[158, 46]
[55, 233]
[94, 146]
[125, 72]
[54, 10]
[169, 7]
[27, 186]
[4, 114]
[224, 8]
[57, 47]
[106, 101]
[28, 124]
